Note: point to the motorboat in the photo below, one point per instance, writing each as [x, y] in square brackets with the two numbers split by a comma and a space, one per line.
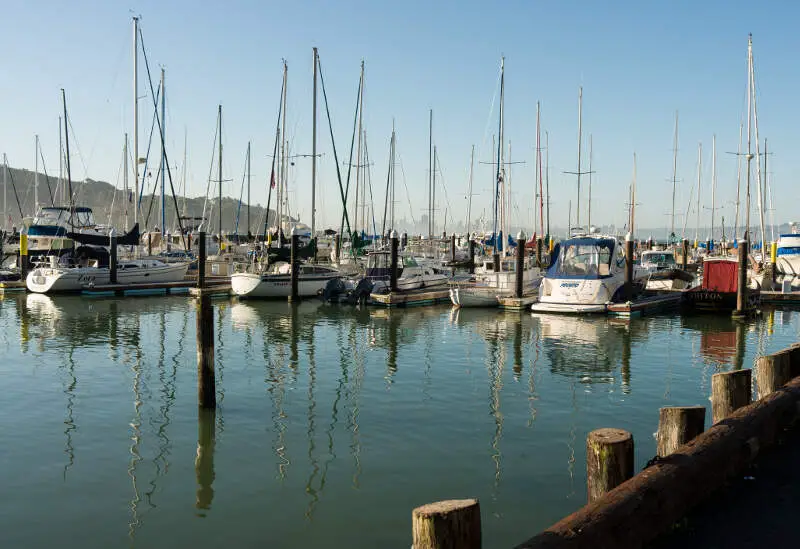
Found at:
[587, 274]
[488, 284]
[277, 282]
[718, 290]
[788, 256]
[662, 271]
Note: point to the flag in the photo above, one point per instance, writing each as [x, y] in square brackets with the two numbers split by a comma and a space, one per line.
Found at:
[272, 179]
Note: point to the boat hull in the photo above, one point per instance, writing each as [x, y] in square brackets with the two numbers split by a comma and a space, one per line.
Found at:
[268, 286]
[57, 280]
[473, 297]
[569, 308]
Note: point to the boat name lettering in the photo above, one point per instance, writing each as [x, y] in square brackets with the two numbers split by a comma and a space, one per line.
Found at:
[570, 284]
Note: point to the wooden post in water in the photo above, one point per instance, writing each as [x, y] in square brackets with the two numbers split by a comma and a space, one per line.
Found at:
[201, 261]
[451, 524]
[496, 262]
[206, 384]
[628, 267]
[520, 264]
[393, 262]
[773, 372]
[729, 392]
[539, 246]
[677, 425]
[685, 254]
[609, 460]
[149, 243]
[471, 255]
[23, 256]
[295, 261]
[113, 266]
[453, 247]
[741, 286]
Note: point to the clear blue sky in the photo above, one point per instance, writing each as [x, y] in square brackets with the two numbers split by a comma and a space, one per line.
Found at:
[638, 63]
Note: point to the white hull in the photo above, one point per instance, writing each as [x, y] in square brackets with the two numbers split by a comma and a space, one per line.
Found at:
[474, 297]
[51, 280]
[788, 265]
[277, 285]
[569, 308]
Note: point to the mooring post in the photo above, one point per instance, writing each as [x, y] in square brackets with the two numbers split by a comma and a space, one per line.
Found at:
[773, 372]
[23, 256]
[453, 248]
[677, 425]
[609, 460]
[206, 384]
[149, 243]
[113, 266]
[684, 254]
[729, 392]
[201, 261]
[451, 524]
[496, 262]
[295, 260]
[741, 286]
[628, 266]
[539, 246]
[471, 255]
[393, 260]
[709, 244]
[773, 260]
[520, 264]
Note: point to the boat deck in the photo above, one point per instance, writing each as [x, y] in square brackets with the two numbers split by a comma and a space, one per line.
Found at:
[511, 303]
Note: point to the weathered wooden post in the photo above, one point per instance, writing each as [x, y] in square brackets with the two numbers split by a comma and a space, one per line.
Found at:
[206, 384]
[295, 261]
[23, 256]
[451, 524]
[773, 372]
[113, 266]
[453, 248]
[149, 243]
[520, 264]
[609, 460]
[709, 244]
[539, 246]
[393, 263]
[628, 266]
[741, 286]
[685, 254]
[404, 240]
[471, 255]
[677, 425]
[201, 261]
[496, 261]
[729, 392]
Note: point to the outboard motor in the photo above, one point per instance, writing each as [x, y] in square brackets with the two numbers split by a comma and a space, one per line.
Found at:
[333, 290]
[362, 291]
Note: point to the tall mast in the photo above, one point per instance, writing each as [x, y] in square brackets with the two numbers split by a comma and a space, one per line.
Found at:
[36, 176]
[469, 190]
[135, 118]
[755, 128]
[749, 156]
[360, 221]
[499, 176]
[580, 129]
[430, 176]
[66, 142]
[248, 188]
[391, 165]
[538, 167]
[589, 220]
[164, 151]
[282, 163]
[738, 182]
[219, 167]
[699, 179]
[633, 198]
[125, 179]
[433, 194]
[5, 191]
[713, 183]
[60, 161]
[547, 175]
[313, 158]
[674, 176]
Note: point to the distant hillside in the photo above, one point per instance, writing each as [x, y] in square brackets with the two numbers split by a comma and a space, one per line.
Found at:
[108, 204]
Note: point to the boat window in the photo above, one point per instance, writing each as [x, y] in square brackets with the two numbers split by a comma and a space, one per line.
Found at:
[409, 262]
[582, 258]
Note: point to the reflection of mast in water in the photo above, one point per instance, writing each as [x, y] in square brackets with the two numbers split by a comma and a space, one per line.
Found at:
[135, 435]
[276, 389]
[113, 339]
[391, 359]
[219, 363]
[312, 405]
[626, 361]
[532, 396]
[344, 360]
[517, 350]
[571, 442]
[358, 379]
[204, 462]
[495, 363]
[69, 420]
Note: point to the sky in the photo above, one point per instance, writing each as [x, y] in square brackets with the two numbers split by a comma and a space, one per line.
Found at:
[637, 62]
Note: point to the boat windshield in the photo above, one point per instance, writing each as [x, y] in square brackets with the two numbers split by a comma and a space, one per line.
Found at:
[659, 258]
[584, 258]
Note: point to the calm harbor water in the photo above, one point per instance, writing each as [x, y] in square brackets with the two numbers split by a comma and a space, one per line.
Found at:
[333, 423]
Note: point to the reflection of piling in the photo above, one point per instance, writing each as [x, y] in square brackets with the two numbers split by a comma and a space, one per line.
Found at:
[471, 256]
[520, 263]
[446, 524]
[609, 460]
[628, 267]
[677, 425]
[204, 462]
[206, 384]
[729, 392]
[201, 260]
[626, 362]
[517, 349]
[23, 255]
[773, 372]
[684, 254]
[393, 263]
[295, 265]
[741, 287]
[113, 269]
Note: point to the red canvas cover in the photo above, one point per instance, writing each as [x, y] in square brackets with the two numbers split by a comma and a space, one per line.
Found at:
[720, 276]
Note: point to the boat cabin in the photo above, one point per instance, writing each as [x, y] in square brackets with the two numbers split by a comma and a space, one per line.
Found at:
[587, 257]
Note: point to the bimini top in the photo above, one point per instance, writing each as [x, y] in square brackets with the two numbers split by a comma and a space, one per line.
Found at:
[586, 257]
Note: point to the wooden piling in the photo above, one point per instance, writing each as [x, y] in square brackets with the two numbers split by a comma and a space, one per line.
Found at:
[684, 254]
[741, 286]
[773, 372]
[23, 256]
[628, 267]
[471, 256]
[453, 247]
[539, 246]
[451, 524]
[677, 425]
[609, 460]
[201, 260]
[295, 261]
[113, 260]
[206, 384]
[518, 287]
[496, 262]
[393, 263]
[729, 392]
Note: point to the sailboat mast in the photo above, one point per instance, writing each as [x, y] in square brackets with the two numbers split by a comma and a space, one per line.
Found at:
[164, 152]
[36, 175]
[755, 128]
[135, 118]
[699, 179]
[633, 198]
[539, 167]
[392, 166]
[248, 188]
[589, 219]
[674, 176]
[66, 142]
[430, 176]
[469, 191]
[547, 175]
[749, 156]
[125, 179]
[580, 130]
[433, 194]
[313, 157]
[499, 178]
[282, 164]
[60, 162]
[5, 191]
[713, 184]
[219, 172]
[360, 221]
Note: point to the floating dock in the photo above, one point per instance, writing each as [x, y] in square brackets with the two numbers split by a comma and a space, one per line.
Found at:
[412, 298]
[13, 286]
[648, 305]
[155, 288]
[780, 298]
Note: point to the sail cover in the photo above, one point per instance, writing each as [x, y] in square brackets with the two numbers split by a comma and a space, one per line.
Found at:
[129, 239]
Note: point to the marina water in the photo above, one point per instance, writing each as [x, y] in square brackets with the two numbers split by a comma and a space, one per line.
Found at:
[332, 423]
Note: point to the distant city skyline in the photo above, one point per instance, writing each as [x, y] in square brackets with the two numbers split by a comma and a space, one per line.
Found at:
[637, 65]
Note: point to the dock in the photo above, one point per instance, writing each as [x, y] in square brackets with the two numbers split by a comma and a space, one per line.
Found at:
[412, 298]
[648, 305]
[181, 287]
[13, 286]
[517, 303]
[780, 298]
